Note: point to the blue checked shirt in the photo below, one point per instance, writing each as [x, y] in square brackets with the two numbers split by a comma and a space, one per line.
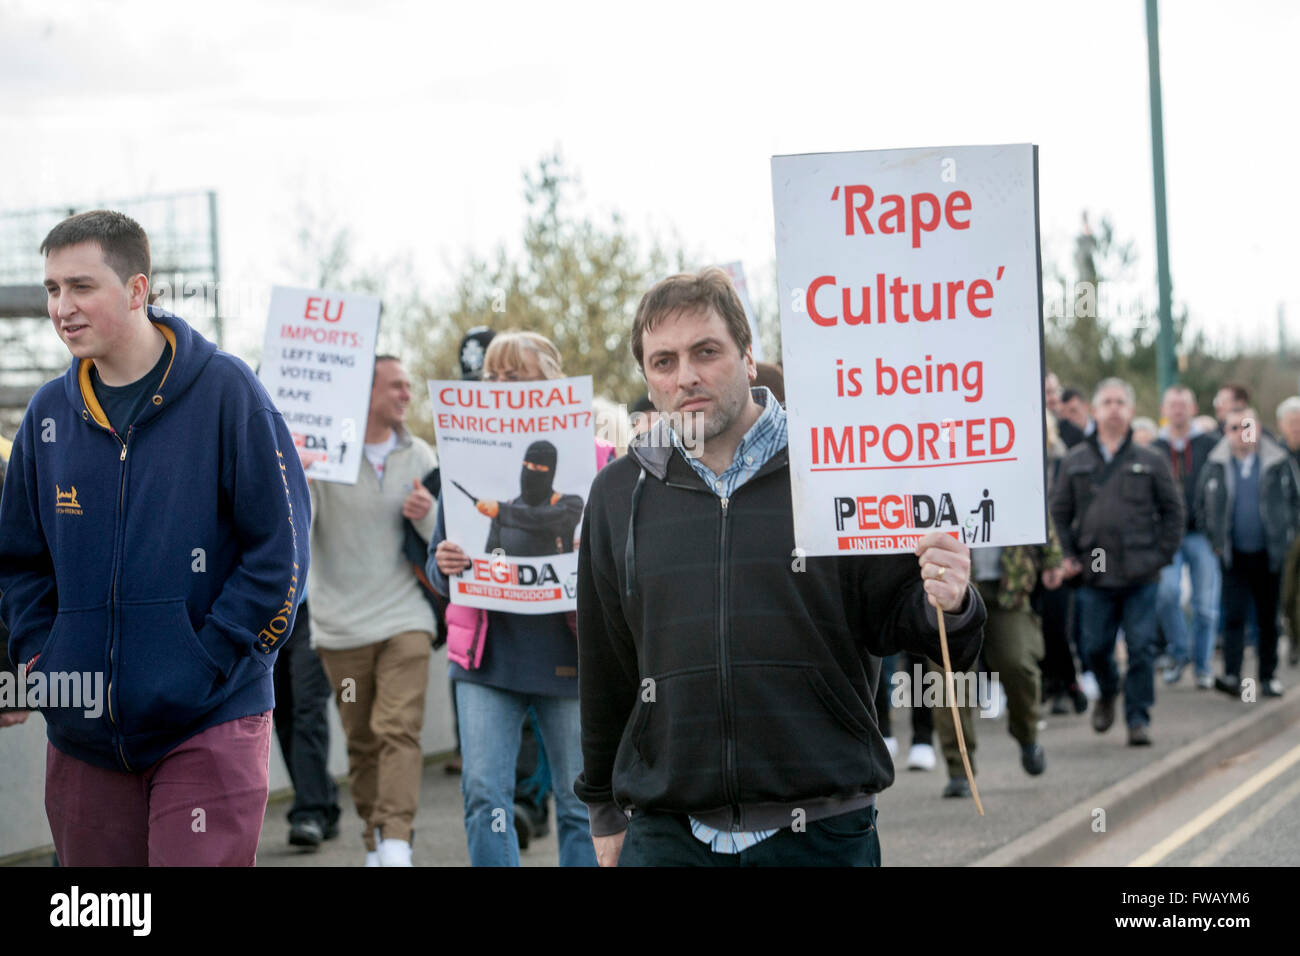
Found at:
[765, 438]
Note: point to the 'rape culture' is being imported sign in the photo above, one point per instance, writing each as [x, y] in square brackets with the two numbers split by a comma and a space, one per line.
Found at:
[318, 361]
[517, 460]
[912, 338]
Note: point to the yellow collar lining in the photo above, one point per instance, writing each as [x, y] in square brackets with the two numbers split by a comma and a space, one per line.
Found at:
[88, 390]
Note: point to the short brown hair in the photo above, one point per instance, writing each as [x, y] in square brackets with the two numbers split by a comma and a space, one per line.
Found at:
[1240, 394]
[690, 293]
[120, 238]
[772, 378]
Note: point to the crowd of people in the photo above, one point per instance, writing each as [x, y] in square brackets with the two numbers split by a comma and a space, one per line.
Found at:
[684, 714]
[1231, 521]
[1182, 538]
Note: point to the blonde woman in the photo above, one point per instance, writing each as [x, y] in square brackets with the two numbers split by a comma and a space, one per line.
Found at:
[504, 663]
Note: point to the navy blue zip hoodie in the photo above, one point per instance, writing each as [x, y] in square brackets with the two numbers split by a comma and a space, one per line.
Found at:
[170, 559]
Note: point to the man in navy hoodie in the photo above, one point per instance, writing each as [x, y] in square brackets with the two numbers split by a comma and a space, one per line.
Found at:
[153, 537]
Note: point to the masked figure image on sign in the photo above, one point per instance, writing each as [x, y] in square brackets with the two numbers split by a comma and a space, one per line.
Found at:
[541, 520]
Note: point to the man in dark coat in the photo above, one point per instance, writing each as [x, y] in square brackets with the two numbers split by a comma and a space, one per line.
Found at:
[1120, 518]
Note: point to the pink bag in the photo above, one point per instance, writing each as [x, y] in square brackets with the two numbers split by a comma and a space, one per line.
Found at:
[466, 630]
[605, 453]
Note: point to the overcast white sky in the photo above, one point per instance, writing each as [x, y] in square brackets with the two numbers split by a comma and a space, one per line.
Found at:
[411, 122]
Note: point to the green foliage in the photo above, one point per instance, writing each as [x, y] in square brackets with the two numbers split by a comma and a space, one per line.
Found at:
[1080, 344]
[1082, 341]
[1083, 345]
[578, 282]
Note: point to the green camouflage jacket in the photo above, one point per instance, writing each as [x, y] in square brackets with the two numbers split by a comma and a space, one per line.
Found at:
[1021, 567]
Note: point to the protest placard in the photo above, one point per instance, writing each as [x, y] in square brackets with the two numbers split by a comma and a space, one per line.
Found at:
[736, 273]
[911, 331]
[317, 364]
[517, 460]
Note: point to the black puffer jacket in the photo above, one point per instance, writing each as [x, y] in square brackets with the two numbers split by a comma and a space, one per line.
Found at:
[1122, 521]
[719, 674]
[1279, 504]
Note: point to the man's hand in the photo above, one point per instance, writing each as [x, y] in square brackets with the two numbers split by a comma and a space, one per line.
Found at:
[450, 558]
[418, 502]
[487, 506]
[1070, 567]
[1053, 577]
[13, 718]
[608, 848]
[945, 569]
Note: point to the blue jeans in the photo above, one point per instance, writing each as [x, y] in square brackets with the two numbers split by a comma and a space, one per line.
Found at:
[1207, 580]
[1101, 612]
[534, 788]
[490, 722]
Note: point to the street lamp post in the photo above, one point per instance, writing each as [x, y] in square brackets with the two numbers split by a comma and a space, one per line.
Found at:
[1166, 369]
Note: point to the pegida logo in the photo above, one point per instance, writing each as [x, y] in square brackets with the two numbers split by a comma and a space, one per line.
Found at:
[908, 513]
[518, 581]
[65, 502]
[504, 572]
[315, 448]
[895, 512]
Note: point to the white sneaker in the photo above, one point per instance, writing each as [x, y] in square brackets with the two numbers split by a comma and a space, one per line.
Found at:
[395, 853]
[996, 704]
[891, 744]
[920, 757]
[1088, 684]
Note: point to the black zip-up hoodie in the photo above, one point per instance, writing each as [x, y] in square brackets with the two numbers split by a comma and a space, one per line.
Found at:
[721, 675]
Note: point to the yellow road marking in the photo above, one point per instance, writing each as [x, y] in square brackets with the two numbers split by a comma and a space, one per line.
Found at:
[1248, 826]
[1203, 820]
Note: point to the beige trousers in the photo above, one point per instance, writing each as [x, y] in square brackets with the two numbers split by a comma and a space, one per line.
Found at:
[380, 692]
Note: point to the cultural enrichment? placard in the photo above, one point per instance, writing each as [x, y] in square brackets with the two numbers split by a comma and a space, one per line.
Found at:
[517, 460]
[911, 330]
[318, 361]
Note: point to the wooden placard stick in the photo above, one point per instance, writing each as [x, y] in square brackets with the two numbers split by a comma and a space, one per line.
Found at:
[950, 690]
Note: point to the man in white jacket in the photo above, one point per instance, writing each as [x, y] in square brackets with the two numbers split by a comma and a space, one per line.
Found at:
[370, 624]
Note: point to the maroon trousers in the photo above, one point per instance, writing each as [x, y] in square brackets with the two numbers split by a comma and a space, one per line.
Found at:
[200, 805]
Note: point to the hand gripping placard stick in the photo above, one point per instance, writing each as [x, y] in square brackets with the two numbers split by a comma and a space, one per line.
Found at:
[950, 690]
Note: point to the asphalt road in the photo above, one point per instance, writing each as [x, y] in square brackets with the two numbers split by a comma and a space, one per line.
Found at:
[1245, 813]
[918, 827]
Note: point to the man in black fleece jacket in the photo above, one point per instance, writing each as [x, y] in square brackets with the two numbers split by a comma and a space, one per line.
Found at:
[727, 682]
